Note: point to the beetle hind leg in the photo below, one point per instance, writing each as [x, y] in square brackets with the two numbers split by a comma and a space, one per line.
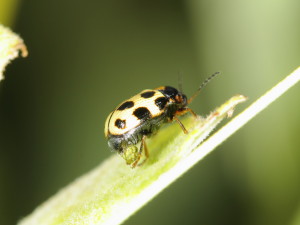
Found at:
[142, 147]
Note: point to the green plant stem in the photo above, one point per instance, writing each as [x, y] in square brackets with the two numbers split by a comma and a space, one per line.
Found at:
[113, 191]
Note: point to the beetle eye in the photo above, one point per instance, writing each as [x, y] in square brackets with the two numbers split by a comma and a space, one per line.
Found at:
[184, 99]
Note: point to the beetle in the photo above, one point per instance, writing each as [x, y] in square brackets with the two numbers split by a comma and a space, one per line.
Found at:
[142, 115]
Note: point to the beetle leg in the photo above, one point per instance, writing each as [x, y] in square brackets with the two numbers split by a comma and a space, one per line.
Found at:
[136, 161]
[143, 147]
[185, 110]
[181, 125]
[191, 111]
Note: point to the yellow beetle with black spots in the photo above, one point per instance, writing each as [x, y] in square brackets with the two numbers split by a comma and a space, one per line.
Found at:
[141, 116]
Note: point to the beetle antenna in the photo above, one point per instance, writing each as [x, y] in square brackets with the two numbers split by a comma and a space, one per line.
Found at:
[180, 81]
[203, 85]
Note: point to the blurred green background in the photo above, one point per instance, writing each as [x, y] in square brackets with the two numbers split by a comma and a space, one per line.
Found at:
[85, 57]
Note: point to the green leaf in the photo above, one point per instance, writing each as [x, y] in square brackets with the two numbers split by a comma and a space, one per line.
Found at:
[10, 45]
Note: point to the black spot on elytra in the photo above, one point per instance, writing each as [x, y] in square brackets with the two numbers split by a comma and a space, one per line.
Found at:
[169, 92]
[126, 105]
[120, 123]
[142, 113]
[161, 102]
[148, 94]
